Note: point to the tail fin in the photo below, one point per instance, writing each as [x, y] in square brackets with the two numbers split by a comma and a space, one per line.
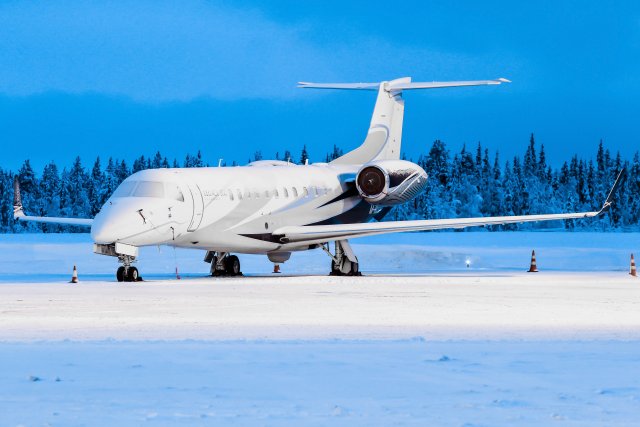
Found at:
[383, 141]
[17, 200]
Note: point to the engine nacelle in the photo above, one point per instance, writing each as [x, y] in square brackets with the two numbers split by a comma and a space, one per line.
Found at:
[390, 182]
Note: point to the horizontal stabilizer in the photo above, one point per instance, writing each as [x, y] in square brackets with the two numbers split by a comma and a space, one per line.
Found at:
[400, 84]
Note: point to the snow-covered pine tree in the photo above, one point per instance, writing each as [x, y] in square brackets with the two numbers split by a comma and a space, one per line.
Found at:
[304, 155]
[50, 195]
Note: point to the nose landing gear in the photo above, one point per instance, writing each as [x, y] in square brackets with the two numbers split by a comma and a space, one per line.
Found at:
[127, 273]
[126, 255]
[223, 264]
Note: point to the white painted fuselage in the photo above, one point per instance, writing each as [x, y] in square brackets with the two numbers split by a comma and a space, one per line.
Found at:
[228, 209]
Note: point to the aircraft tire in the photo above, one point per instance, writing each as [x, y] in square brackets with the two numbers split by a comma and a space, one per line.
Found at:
[335, 270]
[120, 274]
[212, 269]
[232, 265]
[133, 275]
[355, 271]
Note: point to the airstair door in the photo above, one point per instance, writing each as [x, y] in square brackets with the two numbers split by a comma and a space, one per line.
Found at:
[198, 206]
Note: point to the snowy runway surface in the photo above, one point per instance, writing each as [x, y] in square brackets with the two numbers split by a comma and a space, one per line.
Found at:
[416, 285]
[451, 306]
[380, 383]
[420, 340]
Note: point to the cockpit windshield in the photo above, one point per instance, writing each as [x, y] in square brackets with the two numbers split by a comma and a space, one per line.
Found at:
[149, 189]
[125, 189]
[158, 190]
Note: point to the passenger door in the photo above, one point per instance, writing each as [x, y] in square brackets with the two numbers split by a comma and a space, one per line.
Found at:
[198, 206]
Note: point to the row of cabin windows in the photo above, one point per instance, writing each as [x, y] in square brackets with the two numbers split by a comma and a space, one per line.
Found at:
[284, 192]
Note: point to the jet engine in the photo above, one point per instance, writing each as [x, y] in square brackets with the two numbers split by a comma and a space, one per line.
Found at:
[390, 182]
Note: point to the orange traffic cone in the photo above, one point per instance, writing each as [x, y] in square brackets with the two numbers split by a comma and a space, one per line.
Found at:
[276, 268]
[534, 267]
[74, 276]
[633, 267]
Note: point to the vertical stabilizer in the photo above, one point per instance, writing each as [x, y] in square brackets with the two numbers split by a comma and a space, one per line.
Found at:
[384, 139]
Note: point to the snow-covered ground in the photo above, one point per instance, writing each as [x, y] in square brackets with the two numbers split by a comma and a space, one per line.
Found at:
[50, 257]
[336, 383]
[420, 340]
[466, 305]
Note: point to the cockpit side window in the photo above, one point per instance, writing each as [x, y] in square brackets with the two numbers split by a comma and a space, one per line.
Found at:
[125, 189]
[149, 189]
[174, 192]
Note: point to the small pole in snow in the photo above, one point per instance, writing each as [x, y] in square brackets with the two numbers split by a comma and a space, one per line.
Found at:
[219, 162]
[633, 267]
[175, 260]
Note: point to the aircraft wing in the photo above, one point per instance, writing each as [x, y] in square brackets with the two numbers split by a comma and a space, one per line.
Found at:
[19, 215]
[312, 234]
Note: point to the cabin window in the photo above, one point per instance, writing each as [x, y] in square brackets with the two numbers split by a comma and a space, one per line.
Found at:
[275, 193]
[305, 191]
[231, 195]
[315, 190]
[285, 193]
[295, 192]
[149, 189]
[267, 193]
[239, 194]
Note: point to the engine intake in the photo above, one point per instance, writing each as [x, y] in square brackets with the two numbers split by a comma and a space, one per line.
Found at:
[390, 182]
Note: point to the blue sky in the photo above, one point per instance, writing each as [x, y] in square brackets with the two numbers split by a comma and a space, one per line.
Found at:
[128, 78]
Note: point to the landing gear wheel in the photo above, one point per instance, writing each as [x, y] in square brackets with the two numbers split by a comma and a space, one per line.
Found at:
[120, 274]
[133, 275]
[212, 269]
[335, 270]
[354, 270]
[343, 261]
[232, 265]
[349, 269]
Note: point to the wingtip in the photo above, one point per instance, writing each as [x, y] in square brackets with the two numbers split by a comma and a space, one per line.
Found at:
[609, 201]
[503, 80]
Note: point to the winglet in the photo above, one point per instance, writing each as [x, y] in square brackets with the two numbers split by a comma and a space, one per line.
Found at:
[607, 203]
[17, 200]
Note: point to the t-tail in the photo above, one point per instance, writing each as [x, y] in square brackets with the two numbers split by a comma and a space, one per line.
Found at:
[384, 139]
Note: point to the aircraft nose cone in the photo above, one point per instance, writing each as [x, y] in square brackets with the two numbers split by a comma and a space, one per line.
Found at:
[111, 224]
[103, 233]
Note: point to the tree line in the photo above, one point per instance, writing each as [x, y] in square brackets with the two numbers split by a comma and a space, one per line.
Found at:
[467, 183]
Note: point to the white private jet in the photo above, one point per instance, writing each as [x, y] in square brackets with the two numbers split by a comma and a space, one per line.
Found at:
[274, 207]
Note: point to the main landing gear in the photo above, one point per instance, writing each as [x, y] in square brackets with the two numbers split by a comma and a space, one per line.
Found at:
[223, 264]
[127, 273]
[343, 262]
